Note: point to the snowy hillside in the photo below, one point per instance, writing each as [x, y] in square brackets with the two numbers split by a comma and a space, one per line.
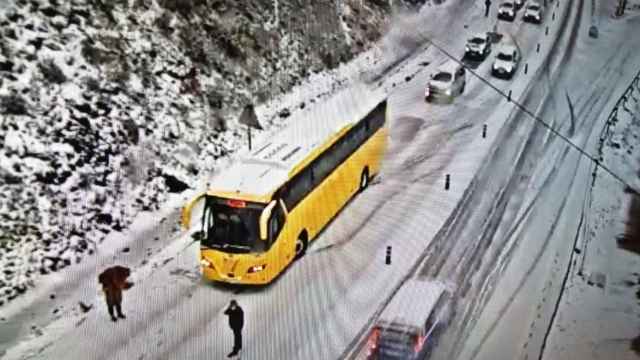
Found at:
[99, 98]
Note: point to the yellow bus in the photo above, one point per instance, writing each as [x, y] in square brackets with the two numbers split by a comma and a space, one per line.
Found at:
[261, 213]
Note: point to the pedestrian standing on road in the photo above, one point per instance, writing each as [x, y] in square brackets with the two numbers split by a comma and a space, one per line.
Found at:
[236, 322]
[487, 5]
[114, 281]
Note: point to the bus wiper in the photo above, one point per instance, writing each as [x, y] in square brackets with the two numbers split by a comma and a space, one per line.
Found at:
[237, 246]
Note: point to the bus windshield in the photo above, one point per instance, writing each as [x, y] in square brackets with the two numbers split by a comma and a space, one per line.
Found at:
[232, 226]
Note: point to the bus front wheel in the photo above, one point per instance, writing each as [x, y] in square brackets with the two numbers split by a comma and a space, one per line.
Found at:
[364, 179]
[301, 245]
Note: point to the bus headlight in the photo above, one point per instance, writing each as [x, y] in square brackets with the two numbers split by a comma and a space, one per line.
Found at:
[257, 268]
[206, 263]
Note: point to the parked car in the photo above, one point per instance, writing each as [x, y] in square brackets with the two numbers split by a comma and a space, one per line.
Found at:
[533, 13]
[507, 11]
[506, 61]
[410, 324]
[446, 82]
[478, 46]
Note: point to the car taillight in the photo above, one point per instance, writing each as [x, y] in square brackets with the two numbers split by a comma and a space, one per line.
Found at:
[373, 338]
[419, 342]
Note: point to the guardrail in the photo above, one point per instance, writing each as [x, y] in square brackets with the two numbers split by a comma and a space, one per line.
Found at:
[612, 119]
[607, 131]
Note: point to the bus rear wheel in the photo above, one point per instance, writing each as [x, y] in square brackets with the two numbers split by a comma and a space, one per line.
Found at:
[364, 179]
[301, 245]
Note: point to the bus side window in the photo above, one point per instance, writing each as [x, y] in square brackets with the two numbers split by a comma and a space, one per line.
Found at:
[298, 189]
[358, 137]
[343, 150]
[323, 166]
[378, 116]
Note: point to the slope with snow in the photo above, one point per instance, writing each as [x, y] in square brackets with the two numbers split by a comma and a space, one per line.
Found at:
[107, 106]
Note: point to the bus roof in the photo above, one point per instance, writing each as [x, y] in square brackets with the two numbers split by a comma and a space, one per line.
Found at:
[413, 303]
[260, 172]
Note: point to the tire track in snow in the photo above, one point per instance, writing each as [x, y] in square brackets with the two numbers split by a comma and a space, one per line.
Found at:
[588, 110]
[513, 184]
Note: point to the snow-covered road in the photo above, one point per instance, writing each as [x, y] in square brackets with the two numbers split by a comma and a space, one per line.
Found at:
[503, 206]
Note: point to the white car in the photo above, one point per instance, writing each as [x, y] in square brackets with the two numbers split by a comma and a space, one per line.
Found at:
[506, 61]
[478, 46]
[409, 326]
[507, 11]
[447, 82]
[533, 13]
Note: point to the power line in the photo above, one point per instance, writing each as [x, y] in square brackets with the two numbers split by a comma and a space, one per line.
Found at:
[532, 115]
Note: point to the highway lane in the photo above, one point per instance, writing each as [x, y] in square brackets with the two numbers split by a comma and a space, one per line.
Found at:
[318, 306]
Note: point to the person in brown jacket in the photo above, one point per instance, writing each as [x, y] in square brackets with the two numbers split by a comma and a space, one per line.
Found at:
[114, 281]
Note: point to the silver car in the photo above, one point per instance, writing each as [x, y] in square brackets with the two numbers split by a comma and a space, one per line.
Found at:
[506, 61]
[478, 46]
[447, 82]
[533, 13]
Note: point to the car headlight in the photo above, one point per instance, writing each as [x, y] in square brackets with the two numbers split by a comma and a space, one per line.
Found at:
[466, 48]
[256, 268]
[448, 92]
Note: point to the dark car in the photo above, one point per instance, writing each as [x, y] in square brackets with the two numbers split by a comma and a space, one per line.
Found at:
[507, 11]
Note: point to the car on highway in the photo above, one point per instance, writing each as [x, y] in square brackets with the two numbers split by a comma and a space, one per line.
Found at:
[506, 61]
[478, 46]
[409, 326]
[533, 13]
[507, 11]
[446, 82]
[518, 4]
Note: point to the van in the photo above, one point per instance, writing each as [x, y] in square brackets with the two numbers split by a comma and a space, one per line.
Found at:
[409, 325]
[446, 82]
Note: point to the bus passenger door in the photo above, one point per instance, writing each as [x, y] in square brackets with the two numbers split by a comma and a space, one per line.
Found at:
[278, 232]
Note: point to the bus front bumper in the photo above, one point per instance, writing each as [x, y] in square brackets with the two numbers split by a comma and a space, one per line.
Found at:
[210, 272]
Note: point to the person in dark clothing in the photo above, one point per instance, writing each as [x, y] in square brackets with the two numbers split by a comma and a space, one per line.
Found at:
[487, 4]
[114, 281]
[236, 322]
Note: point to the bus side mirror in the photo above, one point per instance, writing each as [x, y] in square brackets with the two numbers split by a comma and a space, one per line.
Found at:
[198, 235]
[185, 220]
[264, 219]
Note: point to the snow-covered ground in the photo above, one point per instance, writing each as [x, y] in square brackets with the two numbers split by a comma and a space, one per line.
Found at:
[515, 193]
[598, 315]
[510, 315]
